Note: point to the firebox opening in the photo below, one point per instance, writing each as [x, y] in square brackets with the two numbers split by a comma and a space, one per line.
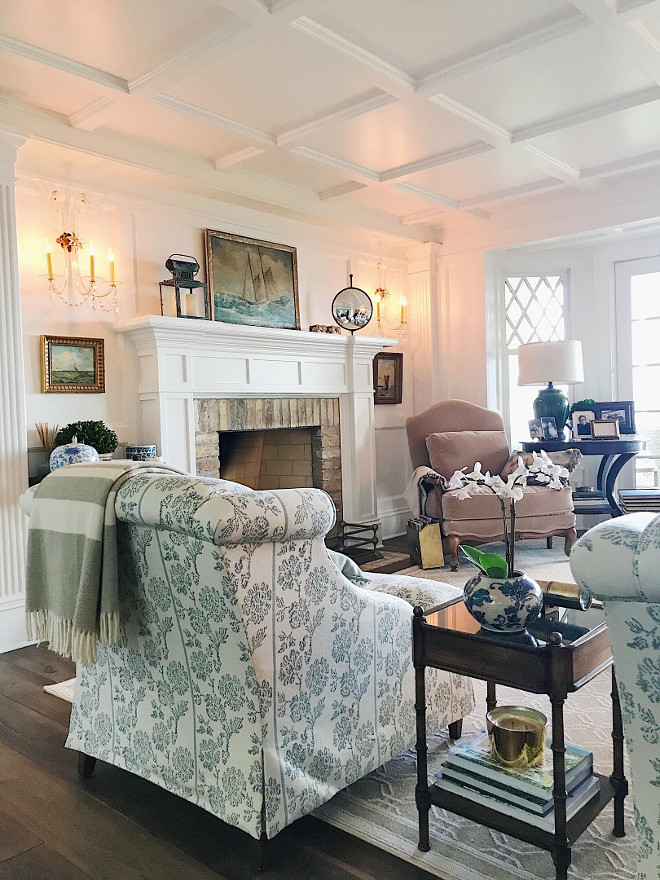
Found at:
[280, 458]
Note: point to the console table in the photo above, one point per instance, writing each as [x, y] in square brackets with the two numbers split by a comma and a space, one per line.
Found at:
[614, 454]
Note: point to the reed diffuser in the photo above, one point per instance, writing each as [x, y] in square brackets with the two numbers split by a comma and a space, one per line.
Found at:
[47, 435]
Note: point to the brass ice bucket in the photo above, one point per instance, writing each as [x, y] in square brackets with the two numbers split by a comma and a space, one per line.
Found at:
[517, 736]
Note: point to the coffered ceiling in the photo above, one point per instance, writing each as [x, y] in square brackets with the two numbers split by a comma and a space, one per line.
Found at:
[396, 115]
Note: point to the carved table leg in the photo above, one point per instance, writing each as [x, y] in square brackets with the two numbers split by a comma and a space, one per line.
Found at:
[86, 765]
[618, 775]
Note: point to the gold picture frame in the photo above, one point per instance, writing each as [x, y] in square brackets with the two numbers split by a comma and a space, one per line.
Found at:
[72, 365]
[252, 281]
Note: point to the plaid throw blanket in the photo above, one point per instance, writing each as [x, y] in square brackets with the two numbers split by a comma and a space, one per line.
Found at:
[72, 598]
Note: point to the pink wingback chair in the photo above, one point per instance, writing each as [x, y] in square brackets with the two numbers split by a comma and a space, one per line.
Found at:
[454, 434]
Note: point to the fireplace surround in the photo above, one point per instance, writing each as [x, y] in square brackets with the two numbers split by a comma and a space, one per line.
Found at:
[197, 378]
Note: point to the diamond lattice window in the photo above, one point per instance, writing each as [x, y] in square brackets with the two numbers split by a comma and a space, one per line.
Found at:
[535, 311]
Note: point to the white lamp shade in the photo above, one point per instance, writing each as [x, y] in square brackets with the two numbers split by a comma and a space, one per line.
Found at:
[543, 362]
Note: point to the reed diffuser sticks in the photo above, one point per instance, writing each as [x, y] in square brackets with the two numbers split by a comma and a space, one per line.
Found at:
[47, 435]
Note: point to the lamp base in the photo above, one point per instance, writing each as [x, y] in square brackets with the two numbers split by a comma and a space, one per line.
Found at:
[552, 402]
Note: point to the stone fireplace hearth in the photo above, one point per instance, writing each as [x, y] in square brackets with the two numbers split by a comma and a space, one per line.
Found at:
[201, 377]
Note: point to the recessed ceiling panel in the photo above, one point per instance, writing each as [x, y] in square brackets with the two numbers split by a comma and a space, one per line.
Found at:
[142, 119]
[123, 37]
[61, 92]
[619, 136]
[554, 79]
[427, 34]
[479, 175]
[276, 83]
[395, 135]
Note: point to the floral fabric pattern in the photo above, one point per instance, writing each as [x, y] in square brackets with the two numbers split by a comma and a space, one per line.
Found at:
[618, 561]
[251, 677]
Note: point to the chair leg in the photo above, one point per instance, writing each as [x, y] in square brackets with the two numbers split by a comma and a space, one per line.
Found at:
[569, 539]
[86, 765]
[454, 541]
[548, 542]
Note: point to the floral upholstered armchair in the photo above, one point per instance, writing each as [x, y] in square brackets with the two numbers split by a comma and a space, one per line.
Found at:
[251, 677]
[618, 561]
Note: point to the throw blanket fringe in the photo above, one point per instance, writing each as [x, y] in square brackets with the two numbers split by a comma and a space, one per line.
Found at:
[68, 641]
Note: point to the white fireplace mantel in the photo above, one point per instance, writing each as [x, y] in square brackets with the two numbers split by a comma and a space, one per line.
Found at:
[181, 360]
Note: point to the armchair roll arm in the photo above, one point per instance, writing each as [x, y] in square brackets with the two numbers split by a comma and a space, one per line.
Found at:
[619, 559]
[222, 512]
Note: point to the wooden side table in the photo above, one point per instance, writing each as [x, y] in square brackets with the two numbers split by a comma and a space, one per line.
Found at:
[447, 637]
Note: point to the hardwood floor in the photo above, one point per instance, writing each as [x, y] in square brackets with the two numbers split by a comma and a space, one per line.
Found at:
[116, 826]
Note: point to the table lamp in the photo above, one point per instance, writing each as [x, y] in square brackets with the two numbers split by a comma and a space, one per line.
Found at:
[541, 362]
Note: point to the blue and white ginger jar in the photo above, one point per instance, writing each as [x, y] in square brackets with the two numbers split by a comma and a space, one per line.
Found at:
[503, 605]
[72, 453]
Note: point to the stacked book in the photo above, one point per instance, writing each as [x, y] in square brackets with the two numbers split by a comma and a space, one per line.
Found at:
[635, 500]
[471, 772]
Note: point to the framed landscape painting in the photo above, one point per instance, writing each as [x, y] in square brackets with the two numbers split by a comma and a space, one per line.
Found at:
[72, 365]
[251, 281]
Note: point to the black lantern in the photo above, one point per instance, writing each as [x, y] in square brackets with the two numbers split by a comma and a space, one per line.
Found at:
[195, 300]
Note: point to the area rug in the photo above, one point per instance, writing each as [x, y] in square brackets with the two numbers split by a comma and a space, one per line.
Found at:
[381, 807]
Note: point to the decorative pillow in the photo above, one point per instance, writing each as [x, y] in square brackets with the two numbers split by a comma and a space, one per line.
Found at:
[450, 451]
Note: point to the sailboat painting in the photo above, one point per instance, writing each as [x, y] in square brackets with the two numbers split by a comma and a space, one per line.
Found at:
[251, 281]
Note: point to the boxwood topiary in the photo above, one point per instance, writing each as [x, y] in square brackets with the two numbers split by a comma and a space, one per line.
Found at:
[93, 433]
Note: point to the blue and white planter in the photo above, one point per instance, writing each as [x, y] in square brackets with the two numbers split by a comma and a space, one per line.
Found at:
[72, 453]
[504, 606]
[140, 451]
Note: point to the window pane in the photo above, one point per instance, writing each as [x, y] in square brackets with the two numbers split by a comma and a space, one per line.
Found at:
[646, 341]
[645, 295]
[646, 382]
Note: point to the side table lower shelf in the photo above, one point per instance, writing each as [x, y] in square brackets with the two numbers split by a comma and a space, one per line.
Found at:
[523, 830]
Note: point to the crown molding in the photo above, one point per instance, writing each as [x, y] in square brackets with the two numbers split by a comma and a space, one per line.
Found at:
[371, 100]
[237, 157]
[61, 62]
[336, 162]
[211, 118]
[343, 189]
[89, 117]
[433, 161]
[362, 56]
[567, 24]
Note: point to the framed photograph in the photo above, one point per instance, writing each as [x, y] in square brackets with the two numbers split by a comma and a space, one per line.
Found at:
[605, 429]
[582, 419]
[621, 411]
[549, 428]
[535, 429]
[251, 281]
[388, 377]
[72, 365]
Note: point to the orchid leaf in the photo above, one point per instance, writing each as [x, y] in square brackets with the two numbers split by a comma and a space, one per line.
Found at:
[490, 563]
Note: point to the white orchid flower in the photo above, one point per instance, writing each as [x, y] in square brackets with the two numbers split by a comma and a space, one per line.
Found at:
[542, 478]
[456, 480]
[463, 492]
[520, 471]
[495, 482]
[476, 474]
[556, 483]
[510, 490]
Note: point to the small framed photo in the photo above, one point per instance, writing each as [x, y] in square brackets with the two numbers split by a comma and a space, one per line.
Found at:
[621, 411]
[582, 419]
[549, 428]
[605, 429]
[388, 377]
[72, 365]
[535, 429]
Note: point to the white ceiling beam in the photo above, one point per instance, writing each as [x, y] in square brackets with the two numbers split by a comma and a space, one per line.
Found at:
[623, 6]
[434, 161]
[198, 173]
[421, 216]
[589, 114]
[554, 166]
[357, 53]
[514, 192]
[235, 158]
[89, 117]
[432, 196]
[335, 192]
[61, 62]
[622, 166]
[352, 168]
[500, 51]
[211, 118]
[497, 134]
[371, 100]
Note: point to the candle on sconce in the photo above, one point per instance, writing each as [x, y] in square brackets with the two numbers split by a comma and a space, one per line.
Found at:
[377, 297]
[91, 262]
[404, 308]
[111, 262]
[49, 261]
